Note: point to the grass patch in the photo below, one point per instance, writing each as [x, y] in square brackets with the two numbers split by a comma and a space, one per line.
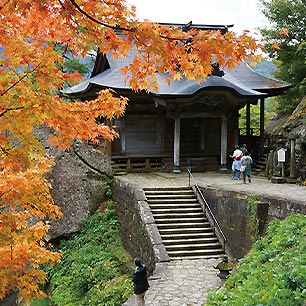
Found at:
[41, 302]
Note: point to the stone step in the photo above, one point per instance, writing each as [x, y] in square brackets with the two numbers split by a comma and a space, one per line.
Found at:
[261, 162]
[194, 257]
[172, 201]
[178, 226]
[176, 215]
[193, 241]
[189, 235]
[191, 253]
[167, 189]
[170, 192]
[180, 211]
[181, 221]
[170, 196]
[173, 205]
[193, 247]
[181, 230]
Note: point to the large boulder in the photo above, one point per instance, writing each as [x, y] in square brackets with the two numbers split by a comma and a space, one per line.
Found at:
[78, 178]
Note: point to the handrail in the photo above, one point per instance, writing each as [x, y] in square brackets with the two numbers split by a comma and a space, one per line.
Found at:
[207, 208]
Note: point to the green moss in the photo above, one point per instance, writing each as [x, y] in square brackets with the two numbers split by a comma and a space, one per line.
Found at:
[252, 202]
[108, 188]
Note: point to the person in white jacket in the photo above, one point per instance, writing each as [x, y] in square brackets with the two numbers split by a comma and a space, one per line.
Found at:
[237, 155]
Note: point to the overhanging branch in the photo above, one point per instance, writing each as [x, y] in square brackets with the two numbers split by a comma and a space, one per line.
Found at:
[17, 82]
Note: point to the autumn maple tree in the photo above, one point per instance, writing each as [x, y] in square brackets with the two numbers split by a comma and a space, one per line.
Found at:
[30, 78]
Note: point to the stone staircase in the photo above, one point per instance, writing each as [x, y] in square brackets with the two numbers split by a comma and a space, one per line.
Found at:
[184, 229]
[260, 166]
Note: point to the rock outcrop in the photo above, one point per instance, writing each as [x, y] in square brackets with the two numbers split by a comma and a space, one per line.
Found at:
[78, 178]
[282, 128]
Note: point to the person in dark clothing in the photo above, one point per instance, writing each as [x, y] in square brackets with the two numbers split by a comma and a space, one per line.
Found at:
[140, 282]
[244, 149]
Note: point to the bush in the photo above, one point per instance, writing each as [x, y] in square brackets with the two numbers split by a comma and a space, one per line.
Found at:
[274, 271]
[95, 269]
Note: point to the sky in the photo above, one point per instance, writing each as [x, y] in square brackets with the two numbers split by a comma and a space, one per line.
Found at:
[244, 14]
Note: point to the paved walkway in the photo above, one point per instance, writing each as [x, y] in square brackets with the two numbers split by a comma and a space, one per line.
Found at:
[187, 282]
[259, 185]
[181, 283]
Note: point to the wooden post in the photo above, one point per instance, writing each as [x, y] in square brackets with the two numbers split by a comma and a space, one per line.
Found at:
[248, 122]
[292, 178]
[223, 144]
[292, 158]
[176, 156]
[236, 129]
[122, 136]
[262, 124]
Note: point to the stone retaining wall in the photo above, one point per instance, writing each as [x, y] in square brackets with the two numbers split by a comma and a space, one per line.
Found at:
[138, 231]
[233, 214]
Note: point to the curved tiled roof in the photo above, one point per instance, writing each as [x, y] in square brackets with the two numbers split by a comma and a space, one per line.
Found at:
[242, 80]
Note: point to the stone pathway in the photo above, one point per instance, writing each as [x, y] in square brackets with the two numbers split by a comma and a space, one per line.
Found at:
[181, 283]
[259, 185]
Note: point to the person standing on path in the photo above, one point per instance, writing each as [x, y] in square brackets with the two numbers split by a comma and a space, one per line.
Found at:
[247, 161]
[237, 155]
[140, 282]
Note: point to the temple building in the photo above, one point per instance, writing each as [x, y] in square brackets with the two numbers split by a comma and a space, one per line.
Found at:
[184, 123]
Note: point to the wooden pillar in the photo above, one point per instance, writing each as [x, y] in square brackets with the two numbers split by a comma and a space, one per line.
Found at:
[248, 122]
[292, 158]
[223, 143]
[176, 153]
[122, 136]
[236, 129]
[262, 124]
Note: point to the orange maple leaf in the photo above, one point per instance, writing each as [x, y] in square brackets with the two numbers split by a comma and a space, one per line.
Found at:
[276, 47]
[284, 32]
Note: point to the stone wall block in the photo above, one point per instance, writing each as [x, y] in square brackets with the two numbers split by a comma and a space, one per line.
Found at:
[137, 223]
[145, 212]
[161, 253]
[154, 234]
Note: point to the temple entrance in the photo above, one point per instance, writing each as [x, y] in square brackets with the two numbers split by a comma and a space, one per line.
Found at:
[200, 136]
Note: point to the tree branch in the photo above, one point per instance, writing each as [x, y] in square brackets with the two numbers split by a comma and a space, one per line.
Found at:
[1, 7]
[10, 109]
[95, 20]
[17, 82]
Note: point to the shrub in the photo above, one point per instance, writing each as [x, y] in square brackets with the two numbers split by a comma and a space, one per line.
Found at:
[274, 271]
[95, 269]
